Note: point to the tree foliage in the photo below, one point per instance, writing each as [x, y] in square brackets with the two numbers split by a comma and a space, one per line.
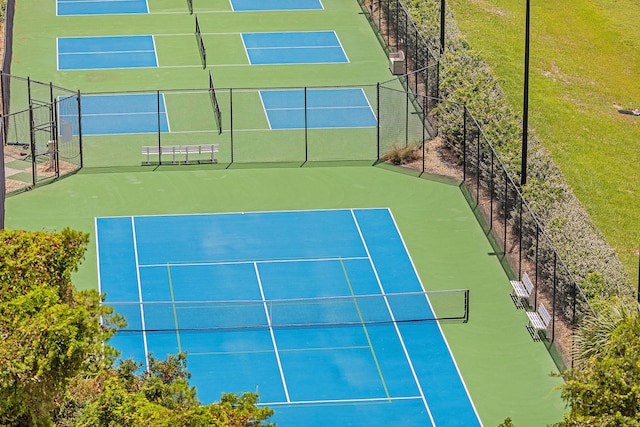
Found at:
[159, 397]
[49, 332]
[54, 366]
[604, 390]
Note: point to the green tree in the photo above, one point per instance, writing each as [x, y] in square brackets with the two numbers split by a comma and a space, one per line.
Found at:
[54, 366]
[159, 397]
[604, 390]
[49, 332]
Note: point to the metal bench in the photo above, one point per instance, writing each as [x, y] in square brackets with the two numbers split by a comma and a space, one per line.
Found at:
[538, 321]
[522, 290]
[177, 151]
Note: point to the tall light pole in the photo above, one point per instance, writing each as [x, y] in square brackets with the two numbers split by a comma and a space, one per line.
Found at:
[525, 108]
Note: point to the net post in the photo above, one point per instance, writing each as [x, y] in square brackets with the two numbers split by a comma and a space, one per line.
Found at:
[466, 306]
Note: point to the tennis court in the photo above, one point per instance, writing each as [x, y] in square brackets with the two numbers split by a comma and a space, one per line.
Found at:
[295, 47]
[274, 5]
[317, 108]
[321, 312]
[86, 53]
[124, 114]
[100, 7]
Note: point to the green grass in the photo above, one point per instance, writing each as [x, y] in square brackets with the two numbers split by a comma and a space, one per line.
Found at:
[585, 58]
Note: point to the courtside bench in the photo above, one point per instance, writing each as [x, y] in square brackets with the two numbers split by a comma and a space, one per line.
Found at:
[538, 321]
[179, 154]
[522, 290]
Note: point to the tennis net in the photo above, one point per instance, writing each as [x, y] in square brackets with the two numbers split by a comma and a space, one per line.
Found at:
[203, 49]
[215, 104]
[301, 312]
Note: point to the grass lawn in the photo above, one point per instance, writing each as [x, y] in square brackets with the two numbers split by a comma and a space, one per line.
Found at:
[585, 65]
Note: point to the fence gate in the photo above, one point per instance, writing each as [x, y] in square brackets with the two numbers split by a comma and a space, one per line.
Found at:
[44, 143]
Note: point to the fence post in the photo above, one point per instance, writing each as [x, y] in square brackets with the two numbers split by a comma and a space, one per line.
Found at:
[80, 130]
[306, 128]
[504, 212]
[231, 123]
[159, 125]
[520, 240]
[406, 116]
[491, 192]
[32, 140]
[555, 285]
[478, 168]
[464, 143]
[53, 114]
[378, 121]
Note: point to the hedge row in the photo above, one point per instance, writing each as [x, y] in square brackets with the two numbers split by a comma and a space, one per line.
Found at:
[466, 79]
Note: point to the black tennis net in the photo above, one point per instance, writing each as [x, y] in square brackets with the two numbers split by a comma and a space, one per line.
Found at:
[214, 103]
[203, 49]
[397, 308]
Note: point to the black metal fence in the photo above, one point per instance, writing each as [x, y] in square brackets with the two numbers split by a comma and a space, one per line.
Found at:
[518, 237]
[41, 132]
[245, 132]
[397, 32]
[512, 227]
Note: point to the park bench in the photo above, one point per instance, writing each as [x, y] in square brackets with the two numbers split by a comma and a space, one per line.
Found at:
[538, 321]
[180, 153]
[522, 290]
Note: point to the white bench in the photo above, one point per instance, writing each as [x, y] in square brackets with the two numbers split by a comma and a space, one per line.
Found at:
[177, 151]
[539, 320]
[522, 289]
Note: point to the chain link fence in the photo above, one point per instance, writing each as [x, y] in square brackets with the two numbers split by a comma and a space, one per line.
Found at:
[40, 132]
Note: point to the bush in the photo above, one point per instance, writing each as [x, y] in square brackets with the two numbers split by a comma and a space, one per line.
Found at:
[401, 155]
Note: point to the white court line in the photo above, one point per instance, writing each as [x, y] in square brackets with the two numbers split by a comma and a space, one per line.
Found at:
[155, 50]
[106, 52]
[347, 107]
[295, 47]
[395, 324]
[264, 108]
[142, 324]
[273, 336]
[385, 400]
[133, 113]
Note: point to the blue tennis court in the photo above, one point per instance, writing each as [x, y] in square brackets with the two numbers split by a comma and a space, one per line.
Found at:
[308, 308]
[317, 109]
[275, 5]
[123, 114]
[297, 47]
[101, 7]
[105, 52]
